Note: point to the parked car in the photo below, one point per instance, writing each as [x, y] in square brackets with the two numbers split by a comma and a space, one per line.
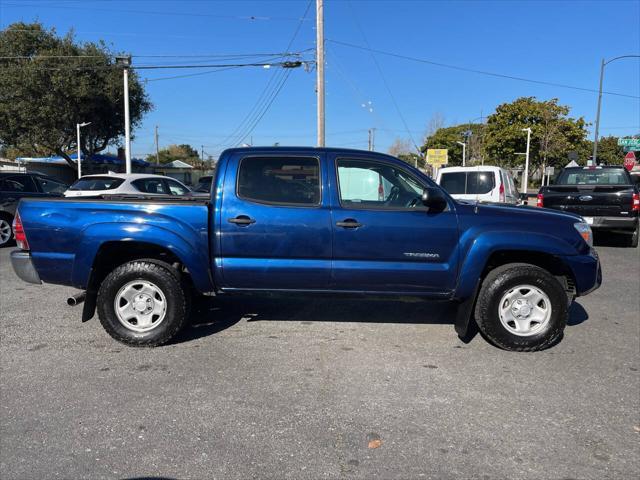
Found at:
[292, 220]
[13, 187]
[606, 197]
[481, 184]
[204, 184]
[126, 184]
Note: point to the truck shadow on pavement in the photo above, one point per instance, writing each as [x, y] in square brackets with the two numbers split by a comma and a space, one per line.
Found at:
[211, 315]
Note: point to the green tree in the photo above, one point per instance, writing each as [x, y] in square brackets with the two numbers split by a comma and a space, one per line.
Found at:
[185, 153]
[553, 133]
[609, 152]
[49, 83]
[447, 137]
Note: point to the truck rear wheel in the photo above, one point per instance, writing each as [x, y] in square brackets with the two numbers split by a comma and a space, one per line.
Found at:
[521, 307]
[142, 303]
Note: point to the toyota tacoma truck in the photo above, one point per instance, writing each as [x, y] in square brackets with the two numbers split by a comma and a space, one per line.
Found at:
[304, 221]
[605, 196]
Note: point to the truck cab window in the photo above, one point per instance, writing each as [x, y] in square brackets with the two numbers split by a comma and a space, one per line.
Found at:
[367, 184]
[280, 180]
[18, 184]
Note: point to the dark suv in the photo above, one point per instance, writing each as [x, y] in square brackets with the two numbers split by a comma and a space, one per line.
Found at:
[14, 186]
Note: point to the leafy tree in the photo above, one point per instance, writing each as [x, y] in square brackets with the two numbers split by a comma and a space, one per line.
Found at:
[447, 137]
[46, 89]
[554, 134]
[185, 153]
[609, 152]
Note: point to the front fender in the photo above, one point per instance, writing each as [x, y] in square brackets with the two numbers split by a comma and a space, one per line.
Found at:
[194, 255]
[480, 248]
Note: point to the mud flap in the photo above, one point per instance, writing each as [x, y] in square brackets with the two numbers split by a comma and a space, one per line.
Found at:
[464, 314]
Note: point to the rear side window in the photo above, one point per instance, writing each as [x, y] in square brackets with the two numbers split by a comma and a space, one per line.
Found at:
[48, 185]
[280, 180]
[97, 183]
[468, 183]
[18, 184]
[151, 185]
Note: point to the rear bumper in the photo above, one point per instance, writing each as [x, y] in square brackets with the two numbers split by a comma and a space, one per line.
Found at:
[23, 266]
[615, 223]
[586, 270]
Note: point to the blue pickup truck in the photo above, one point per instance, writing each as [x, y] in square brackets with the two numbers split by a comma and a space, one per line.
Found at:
[310, 220]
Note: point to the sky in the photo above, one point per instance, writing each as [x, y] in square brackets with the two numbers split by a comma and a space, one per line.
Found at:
[559, 42]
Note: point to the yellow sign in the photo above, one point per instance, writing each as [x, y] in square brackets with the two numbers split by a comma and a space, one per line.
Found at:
[437, 156]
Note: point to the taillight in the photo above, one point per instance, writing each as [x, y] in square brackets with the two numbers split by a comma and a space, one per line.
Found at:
[635, 203]
[502, 199]
[18, 233]
[540, 202]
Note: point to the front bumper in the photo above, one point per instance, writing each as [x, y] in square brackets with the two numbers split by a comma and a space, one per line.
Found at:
[23, 266]
[586, 270]
[614, 223]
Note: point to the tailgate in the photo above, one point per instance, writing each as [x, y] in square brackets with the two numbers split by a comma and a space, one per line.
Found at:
[590, 200]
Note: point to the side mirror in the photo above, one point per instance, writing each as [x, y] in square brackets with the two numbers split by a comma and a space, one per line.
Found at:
[434, 199]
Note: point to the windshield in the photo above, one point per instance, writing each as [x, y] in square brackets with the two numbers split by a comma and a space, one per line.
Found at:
[598, 176]
[468, 183]
[97, 183]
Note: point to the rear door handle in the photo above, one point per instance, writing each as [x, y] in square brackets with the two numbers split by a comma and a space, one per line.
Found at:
[349, 223]
[242, 220]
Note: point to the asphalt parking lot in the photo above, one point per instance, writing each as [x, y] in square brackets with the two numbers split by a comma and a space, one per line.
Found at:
[322, 388]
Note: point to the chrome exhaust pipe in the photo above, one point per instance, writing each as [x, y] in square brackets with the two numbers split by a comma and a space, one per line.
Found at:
[76, 299]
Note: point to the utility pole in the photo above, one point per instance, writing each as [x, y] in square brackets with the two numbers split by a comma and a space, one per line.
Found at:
[372, 132]
[320, 69]
[595, 139]
[157, 148]
[125, 62]
[603, 63]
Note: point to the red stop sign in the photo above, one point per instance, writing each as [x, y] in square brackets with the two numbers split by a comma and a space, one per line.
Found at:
[629, 160]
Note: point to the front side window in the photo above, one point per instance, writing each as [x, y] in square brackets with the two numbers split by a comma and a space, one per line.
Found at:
[151, 185]
[370, 184]
[18, 184]
[280, 180]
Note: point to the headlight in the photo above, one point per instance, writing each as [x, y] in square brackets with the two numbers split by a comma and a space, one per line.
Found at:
[585, 232]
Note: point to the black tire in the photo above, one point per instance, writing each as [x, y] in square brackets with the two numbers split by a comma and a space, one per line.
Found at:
[6, 219]
[505, 278]
[633, 238]
[166, 279]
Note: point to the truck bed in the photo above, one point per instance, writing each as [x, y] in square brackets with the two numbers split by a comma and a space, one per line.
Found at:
[65, 235]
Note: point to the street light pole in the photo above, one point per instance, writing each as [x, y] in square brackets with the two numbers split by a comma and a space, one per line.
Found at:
[603, 63]
[526, 161]
[125, 62]
[78, 127]
[464, 150]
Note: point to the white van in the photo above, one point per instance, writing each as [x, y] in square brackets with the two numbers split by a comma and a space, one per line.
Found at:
[482, 184]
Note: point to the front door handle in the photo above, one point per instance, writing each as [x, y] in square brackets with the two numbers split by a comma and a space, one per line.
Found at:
[349, 223]
[242, 220]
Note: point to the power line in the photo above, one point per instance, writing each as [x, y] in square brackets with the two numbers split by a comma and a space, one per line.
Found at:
[266, 98]
[384, 80]
[284, 64]
[154, 12]
[480, 72]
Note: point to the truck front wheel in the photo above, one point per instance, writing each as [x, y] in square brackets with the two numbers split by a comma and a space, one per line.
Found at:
[142, 303]
[521, 307]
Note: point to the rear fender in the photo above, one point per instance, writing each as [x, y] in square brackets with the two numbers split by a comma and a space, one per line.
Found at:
[194, 258]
